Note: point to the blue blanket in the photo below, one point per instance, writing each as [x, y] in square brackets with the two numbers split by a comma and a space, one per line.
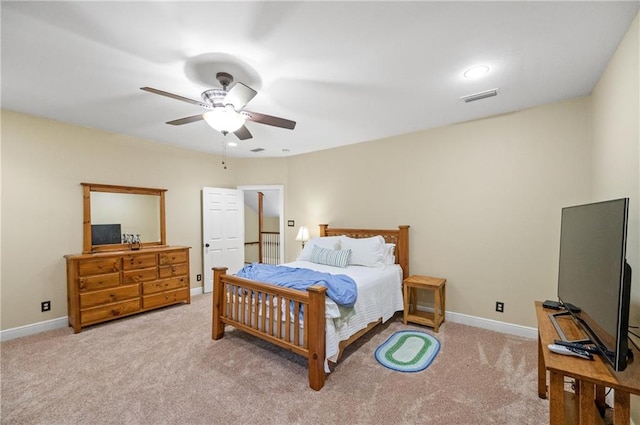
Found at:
[340, 288]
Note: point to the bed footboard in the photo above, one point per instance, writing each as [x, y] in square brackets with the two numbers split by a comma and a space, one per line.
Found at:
[291, 319]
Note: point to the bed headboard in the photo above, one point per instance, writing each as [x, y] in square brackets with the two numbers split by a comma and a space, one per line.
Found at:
[400, 237]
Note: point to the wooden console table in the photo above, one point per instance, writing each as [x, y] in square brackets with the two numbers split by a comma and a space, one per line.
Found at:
[587, 403]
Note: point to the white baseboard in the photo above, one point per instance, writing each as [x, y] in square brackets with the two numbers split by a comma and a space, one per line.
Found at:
[489, 324]
[48, 325]
[34, 328]
[492, 325]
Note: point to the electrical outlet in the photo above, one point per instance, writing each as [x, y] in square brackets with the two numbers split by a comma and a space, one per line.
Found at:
[499, 307]
[199, 277]
[45, 306]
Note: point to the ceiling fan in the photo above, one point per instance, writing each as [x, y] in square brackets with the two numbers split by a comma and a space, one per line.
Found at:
[225, 108]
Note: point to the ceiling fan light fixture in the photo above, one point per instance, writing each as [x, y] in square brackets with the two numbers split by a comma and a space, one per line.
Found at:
[224, 120]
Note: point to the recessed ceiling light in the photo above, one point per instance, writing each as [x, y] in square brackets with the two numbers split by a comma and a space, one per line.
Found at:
[476, 71]
[232, 144]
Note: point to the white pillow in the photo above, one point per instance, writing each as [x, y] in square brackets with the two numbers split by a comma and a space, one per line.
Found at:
[327, 242]
[389, 256]
[367, 252]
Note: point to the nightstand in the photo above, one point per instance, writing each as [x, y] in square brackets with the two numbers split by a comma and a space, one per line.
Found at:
[411, 313]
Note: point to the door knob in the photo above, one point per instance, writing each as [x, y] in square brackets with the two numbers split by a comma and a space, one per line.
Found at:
[206, 245]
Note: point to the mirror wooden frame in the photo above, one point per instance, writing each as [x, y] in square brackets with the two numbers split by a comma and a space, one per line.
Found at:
[87, 247]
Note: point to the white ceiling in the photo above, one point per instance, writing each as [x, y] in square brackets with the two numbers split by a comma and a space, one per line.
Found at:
[346, 72]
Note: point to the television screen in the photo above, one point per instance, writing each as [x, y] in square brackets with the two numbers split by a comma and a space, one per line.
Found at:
[594, 278]
[105, 234]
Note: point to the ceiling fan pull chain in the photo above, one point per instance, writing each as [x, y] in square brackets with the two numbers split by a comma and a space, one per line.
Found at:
[224, 153]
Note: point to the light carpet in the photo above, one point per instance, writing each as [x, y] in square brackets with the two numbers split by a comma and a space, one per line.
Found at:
[162, 367]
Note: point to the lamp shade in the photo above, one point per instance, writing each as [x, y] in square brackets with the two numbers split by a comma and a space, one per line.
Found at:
[303, 234]
[225, 120]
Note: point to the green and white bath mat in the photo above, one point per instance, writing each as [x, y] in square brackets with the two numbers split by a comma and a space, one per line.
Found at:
[408, 351]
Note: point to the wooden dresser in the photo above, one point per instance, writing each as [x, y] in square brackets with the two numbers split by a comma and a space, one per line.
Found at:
[109, 285]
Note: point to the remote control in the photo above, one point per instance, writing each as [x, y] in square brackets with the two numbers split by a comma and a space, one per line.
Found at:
[579, 346]
[570, 351]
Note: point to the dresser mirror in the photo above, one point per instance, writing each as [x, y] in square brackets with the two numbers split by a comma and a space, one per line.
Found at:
[122, 217]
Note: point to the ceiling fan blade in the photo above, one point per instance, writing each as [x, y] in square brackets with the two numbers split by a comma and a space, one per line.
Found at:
[175, 96]
[270, 120]
[243, 133]
[186, 120]
[239, 95]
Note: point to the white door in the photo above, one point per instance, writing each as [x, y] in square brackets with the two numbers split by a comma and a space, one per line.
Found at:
[222, 231]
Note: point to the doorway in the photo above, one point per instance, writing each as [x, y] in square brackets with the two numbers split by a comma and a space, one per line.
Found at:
[263, 240]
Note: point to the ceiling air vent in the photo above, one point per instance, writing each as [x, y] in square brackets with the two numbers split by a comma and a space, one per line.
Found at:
[477, 96]
[257, 150]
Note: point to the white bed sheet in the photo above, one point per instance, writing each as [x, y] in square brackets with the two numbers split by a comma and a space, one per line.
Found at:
[379, 297]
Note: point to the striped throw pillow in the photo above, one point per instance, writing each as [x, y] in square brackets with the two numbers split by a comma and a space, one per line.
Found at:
[331, 257]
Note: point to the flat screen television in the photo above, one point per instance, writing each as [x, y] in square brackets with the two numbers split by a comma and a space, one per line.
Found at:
[594, 279]
[105, 234]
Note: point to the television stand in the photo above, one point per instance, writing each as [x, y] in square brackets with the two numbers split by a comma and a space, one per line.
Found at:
[554, 321]
[587, 403]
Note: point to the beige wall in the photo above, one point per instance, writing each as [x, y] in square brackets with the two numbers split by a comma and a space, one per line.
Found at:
[43, 163]
[483, 200]
[616, 151]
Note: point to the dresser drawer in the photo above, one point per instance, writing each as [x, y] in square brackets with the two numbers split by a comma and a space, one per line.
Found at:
[174, 270]
[109, 311]
[99, 266]
[138, 261]
[101, 281]
[95, 298]
[142, 275]
[173, 257]
[165, 298]
[165, 285]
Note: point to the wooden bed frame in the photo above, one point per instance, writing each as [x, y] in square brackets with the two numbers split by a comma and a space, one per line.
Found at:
[235, 301]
